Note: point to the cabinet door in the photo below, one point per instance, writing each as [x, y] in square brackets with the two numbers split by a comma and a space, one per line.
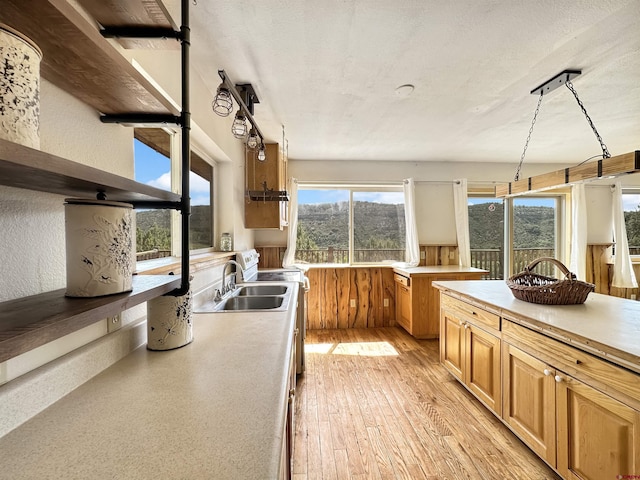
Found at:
[403, 306]
[452, 343]
[529, 401]
[598, 436]
[482, 366]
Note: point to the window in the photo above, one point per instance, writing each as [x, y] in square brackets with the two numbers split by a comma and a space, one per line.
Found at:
[201, 226]
[350, 225]
[486, 235]
[153, 227]
[535, 232]
[631, 206]
[153, 166]
[507, 235]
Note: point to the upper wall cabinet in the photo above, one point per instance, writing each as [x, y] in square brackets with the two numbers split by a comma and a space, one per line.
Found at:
[265, 200]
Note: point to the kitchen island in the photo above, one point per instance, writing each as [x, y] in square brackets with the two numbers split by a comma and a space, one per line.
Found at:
[216, 408]
[563, 378]
[418, 303]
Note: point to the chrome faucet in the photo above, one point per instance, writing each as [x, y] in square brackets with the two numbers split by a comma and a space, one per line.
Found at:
[232, 284]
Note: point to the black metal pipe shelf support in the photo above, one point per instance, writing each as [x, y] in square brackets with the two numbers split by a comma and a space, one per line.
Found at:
[141, 32]
[183, 121]
[139, 119]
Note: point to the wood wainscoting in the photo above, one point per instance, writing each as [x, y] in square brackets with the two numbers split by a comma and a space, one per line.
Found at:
[371, 289]
[351, 297]
[600, 272]
[271, 256]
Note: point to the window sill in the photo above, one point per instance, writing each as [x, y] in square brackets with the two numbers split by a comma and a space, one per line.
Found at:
[171, 265]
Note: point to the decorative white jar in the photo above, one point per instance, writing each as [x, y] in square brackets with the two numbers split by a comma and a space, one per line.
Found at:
[19, 88]
[169, 323]
[100, 246]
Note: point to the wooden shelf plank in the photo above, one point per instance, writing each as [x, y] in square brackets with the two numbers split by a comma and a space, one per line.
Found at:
[128, 13]
[29, 322]
[78, 60]
[25, 167]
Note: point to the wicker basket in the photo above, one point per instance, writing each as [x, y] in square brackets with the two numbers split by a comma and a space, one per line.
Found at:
[535, 288]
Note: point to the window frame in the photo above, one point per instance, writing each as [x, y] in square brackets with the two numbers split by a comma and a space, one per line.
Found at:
[170, 147]
[635, 258]
[561, 227]
[351, 188]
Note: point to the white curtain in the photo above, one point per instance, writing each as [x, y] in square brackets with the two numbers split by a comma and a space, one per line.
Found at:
[412, 244]
[578, 263]
[461, 209]
[623, 275]
[292, 234]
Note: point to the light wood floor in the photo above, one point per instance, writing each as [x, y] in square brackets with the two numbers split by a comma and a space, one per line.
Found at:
[376, 404]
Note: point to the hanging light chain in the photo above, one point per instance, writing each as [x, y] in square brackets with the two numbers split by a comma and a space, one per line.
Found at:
[526, 144]
[605, 151]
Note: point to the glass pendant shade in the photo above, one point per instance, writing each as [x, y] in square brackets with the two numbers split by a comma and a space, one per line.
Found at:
[252, 141]
[223, 103]
[261, 154]
[239, 127]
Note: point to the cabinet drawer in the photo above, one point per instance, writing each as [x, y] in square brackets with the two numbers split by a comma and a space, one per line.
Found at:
[402, 280]
[470, 312]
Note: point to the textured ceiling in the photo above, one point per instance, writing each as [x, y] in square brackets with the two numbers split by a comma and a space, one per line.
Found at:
[328, 71]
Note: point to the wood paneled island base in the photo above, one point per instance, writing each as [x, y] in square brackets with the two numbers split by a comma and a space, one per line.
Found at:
[565, 379]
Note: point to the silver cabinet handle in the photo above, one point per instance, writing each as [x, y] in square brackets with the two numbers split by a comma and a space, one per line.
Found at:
[466, 325]
[558, 378]
[546, 372]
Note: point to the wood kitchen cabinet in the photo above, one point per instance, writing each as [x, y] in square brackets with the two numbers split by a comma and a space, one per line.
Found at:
[261, 208]
[288, 439]
[529, 401]
[470, 349]
[581, 431]
[418, 302]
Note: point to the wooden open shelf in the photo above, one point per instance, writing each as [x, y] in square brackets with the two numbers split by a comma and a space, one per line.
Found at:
[29, 322]
[25, 167]
[80, 61]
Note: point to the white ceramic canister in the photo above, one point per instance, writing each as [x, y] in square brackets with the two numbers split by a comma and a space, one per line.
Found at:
[169, 322]
[19, 88]
[100, 243]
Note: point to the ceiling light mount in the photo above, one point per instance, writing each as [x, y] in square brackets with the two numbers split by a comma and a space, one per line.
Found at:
[563, 78]
[558, 81]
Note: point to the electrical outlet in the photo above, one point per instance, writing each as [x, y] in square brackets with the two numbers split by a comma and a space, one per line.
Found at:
[353, 303]
[385, 302]
[452, 255]
[114, 323]
[423, 254]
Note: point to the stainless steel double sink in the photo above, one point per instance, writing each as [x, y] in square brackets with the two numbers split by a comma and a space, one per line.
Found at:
[251, 297]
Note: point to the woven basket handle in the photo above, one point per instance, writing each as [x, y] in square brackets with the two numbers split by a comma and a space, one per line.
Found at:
[557, 263]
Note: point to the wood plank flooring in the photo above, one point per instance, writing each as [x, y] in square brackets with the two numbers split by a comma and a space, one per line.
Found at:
[376, 404]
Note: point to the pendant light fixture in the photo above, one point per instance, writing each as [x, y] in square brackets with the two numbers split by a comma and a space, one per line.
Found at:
[245, 96]
[239, 126]
[261, 153]
[223, 102]
[607, 166]
[252, 141]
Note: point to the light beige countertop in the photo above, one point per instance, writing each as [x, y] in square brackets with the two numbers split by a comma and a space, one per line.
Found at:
[435, 269]
[606, 326]
[214, 409]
